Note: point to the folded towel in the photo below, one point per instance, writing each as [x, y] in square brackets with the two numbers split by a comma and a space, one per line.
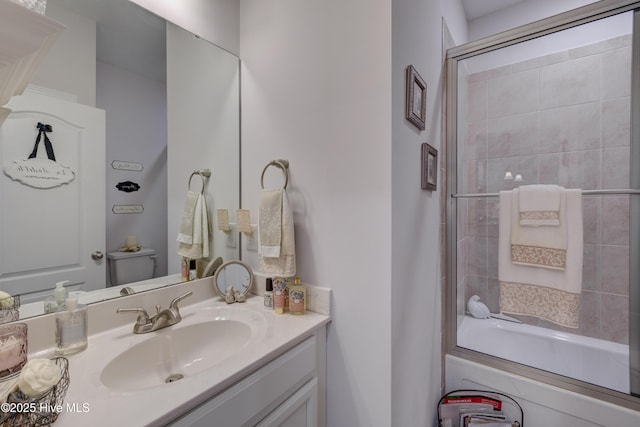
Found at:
[37, 376]
[553, 295]
[196, 244]
[540, 246]
[540, 205]
[277, 235]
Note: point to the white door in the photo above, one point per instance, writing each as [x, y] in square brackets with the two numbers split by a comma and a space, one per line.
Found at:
[58, 233]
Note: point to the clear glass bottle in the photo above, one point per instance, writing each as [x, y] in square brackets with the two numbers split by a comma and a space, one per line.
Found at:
[71, 328]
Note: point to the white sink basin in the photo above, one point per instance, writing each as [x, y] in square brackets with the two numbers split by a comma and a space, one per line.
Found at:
[179, 351]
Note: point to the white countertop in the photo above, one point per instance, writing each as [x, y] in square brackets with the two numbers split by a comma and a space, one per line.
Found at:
[90, 402]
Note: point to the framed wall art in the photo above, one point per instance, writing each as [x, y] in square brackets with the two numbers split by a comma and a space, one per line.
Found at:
[429, 173]
[416, 111]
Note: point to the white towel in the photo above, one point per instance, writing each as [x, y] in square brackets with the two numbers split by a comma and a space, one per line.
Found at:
[553, 295]
[270, 222]
[540, 205]
[541, 246]
[277, 237]
[185, 235]
[193, 237]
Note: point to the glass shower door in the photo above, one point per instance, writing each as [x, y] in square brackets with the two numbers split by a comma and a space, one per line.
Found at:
[555, 109]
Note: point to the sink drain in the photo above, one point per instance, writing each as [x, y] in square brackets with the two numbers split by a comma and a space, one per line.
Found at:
[174, 377]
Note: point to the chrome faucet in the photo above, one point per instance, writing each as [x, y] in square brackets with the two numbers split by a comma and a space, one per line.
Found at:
[162, 318]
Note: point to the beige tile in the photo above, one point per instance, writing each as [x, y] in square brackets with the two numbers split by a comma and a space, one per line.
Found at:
[569, 83]
[615, 269]
[615, 318]
[615, 224]
[513, 94]
[616, 122]
[616, 73]
[577, 127]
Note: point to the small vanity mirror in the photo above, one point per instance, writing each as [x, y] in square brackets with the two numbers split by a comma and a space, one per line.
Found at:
[233, 274]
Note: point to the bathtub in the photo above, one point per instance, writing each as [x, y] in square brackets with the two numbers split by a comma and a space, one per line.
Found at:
[587, 359]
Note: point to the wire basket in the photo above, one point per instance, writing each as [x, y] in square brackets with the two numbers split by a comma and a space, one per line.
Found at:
[511, 407]
[38, 411]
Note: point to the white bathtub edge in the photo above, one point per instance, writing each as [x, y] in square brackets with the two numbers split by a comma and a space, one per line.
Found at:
[542, 404]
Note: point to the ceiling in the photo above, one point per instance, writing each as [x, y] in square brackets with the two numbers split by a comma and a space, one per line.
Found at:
[477, 8]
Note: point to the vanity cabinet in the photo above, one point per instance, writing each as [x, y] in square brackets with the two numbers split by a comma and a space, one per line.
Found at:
[301, 409]
[288, 391]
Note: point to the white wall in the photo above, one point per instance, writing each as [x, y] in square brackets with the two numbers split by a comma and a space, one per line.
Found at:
[136, 124]
[416, 297]
[316, 90]
[323, 86]
[453, 13]
[213, 20]
[70, 65]
[520, 14]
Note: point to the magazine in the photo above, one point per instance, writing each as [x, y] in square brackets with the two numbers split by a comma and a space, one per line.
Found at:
[473, 411]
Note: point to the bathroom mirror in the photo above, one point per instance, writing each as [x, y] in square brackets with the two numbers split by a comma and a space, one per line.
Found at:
[132, 48]
[233, 274]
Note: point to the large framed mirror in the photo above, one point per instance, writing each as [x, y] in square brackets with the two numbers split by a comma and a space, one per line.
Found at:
[166, 103]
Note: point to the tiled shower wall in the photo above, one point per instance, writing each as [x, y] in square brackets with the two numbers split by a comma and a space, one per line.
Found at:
[559, 119]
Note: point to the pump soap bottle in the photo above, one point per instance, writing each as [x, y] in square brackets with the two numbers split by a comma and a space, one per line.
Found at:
[71, 328]
[56, 301]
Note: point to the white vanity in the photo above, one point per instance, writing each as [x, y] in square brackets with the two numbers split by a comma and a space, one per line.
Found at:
[227, 365]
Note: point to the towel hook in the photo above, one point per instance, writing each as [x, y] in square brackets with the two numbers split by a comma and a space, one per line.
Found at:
[279, 163]
[202, 173]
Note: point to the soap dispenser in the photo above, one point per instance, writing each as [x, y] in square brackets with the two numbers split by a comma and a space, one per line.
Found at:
[71, 328]
[60, 293]
[57, 301]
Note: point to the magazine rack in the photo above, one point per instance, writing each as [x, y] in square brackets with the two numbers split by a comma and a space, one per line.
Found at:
[510, 407]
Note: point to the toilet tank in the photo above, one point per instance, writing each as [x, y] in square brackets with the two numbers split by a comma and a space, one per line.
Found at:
[127, 267]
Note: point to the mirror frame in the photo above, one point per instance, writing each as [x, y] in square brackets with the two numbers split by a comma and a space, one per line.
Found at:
[247, 267]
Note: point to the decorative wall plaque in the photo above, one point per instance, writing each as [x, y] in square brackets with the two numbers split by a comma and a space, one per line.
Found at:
[128, 186]
[126, 166]
[127, 209]
[39, 172]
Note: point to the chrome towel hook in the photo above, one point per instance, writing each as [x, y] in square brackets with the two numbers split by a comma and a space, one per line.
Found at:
[279, 163]
[202, 173]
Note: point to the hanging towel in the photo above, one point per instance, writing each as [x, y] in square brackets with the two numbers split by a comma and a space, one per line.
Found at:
[541, 246]
[553, 295]
[185, 235]
[540, 205]
[277, 238]
[193, 237]
[270, 222]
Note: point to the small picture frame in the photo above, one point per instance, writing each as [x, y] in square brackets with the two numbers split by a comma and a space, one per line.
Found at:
[416, 108]
[429, 171]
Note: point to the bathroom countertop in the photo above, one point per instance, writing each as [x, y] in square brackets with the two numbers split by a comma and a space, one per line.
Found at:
[90, 402]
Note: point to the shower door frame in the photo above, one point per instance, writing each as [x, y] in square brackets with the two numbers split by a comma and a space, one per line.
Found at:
[570, 19]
